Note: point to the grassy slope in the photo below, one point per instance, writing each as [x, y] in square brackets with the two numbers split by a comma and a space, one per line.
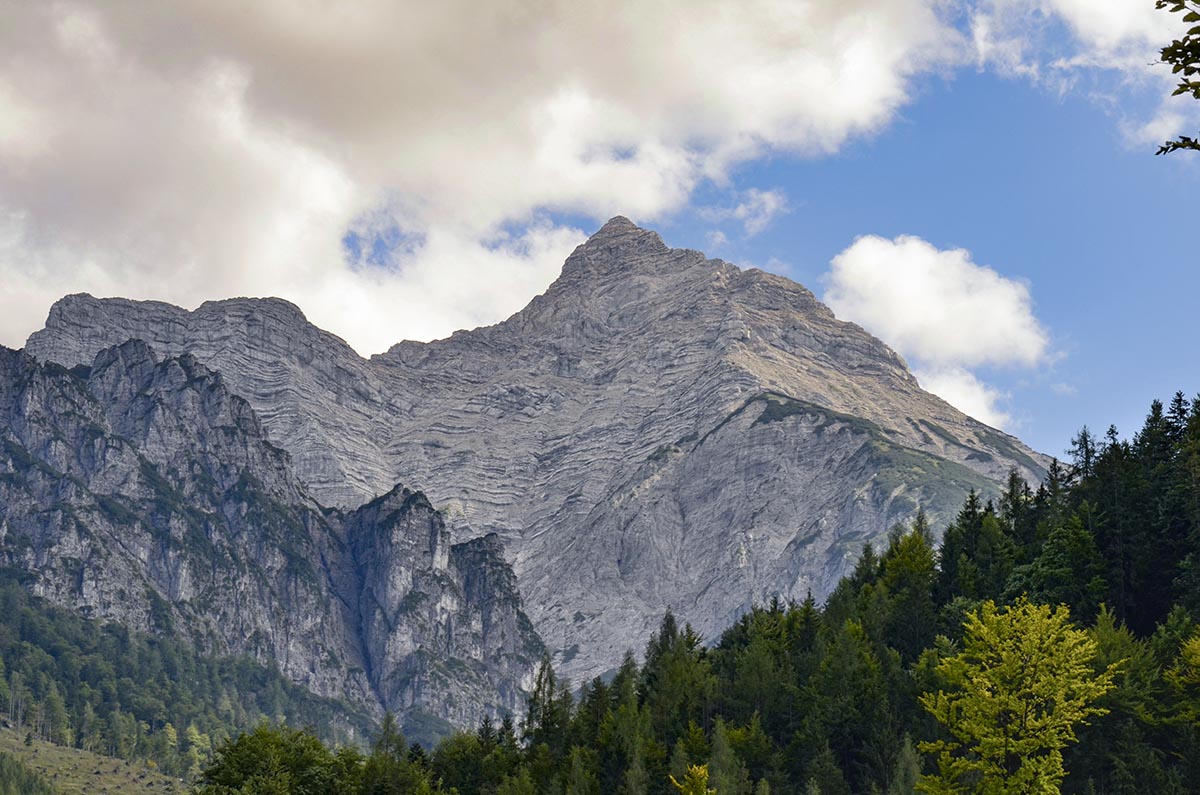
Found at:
[74, 772]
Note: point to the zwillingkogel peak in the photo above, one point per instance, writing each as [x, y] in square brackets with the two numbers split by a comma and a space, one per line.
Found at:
[656, 430]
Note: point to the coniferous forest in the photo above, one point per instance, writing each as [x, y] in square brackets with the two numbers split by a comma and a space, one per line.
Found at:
[1050, 642]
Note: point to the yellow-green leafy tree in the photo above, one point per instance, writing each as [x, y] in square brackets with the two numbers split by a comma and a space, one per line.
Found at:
[1184, 677]
[695, 781]
[1013, 696]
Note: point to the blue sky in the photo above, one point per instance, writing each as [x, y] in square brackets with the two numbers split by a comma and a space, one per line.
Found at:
[972, 180]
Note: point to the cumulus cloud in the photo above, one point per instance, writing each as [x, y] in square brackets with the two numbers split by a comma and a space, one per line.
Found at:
[936, 305]
[202, 149]
[942, 311]
[962, 389]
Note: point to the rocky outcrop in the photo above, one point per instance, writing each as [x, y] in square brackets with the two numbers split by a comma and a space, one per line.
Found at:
[657, 429]
[140, 490]
[442, 623]
[307, 386]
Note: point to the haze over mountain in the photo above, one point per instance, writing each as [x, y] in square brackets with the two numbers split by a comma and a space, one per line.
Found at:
[656, 430]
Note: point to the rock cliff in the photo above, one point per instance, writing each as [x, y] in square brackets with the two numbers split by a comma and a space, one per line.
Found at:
[657, 429]
[139, 489]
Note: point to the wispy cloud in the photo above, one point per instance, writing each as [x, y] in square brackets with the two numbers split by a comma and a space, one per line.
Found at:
[755, 209]
[1107, 48]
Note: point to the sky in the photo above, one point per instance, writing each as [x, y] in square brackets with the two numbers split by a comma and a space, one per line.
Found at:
[974, 181]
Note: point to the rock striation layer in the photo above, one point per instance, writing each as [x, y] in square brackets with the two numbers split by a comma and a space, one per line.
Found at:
[657, 429]
[140, 490]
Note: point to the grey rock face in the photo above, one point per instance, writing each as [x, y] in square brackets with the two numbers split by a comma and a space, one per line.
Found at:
[141, 490]
[290, 367]
[657, 429]
[442, 622]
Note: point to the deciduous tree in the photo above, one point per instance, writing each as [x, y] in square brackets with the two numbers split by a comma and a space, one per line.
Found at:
[1183, 56]
[1011, 702]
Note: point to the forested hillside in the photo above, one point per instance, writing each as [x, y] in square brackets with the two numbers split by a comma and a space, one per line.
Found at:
[842, 698]
[102, 688]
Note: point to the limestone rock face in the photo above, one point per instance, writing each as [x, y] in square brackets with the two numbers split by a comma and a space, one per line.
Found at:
[140, 490]
[289, 366]
[657, 429]
[442, 622]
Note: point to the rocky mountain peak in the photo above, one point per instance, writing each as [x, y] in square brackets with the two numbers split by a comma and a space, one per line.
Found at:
[618, 247]
[657, 428]
[132, 355]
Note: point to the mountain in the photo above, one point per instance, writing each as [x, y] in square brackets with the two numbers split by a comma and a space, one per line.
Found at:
[656, 430]
[139, 489]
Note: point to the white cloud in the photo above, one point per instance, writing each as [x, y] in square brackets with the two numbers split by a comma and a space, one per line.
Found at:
[1108, 34]
[943, 312]
[962, 389]
[1111, 27]
[198, 149]
[755, 210]
[1111, 47]
[716, 239]
[935, 305]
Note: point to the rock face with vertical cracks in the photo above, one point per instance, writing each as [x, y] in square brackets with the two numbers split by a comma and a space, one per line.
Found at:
[656, 429]
[139, 489]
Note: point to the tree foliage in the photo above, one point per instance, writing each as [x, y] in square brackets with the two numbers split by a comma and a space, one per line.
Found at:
[1014, 695]
[796, 697]
[284, 761]
[17, 779]
[1183, 56]
[74, 681]
[695, 782]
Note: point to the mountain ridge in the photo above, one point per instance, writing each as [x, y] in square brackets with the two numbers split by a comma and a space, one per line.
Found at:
[558, 429]
[140, 490]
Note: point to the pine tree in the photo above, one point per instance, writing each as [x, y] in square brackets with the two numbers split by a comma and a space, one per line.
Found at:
[521, 783]
[635, 780]
[825, 777]
[907, 770]
[909, 575]
[548, 711]
[58, 722]
[726, 772]
[581, 778]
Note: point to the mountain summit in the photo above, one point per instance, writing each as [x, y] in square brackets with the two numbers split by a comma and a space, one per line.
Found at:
[656, 430]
